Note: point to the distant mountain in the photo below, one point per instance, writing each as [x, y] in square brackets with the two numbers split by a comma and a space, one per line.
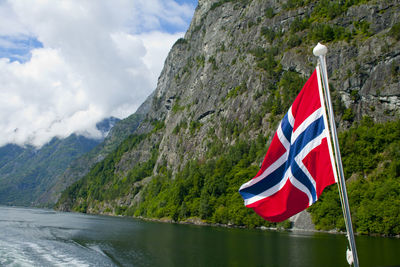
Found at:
[27, 172]
[106, 125]
[79, 166]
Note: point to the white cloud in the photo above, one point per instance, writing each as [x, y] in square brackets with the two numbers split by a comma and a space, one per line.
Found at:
[99, 58]
[10, 25]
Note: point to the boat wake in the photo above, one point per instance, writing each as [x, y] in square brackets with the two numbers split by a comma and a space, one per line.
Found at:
[26, 243]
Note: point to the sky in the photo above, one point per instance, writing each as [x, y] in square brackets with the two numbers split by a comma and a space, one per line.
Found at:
[65, 65]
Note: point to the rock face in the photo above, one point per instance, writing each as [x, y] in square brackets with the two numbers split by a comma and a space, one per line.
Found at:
[212, 75]
[302, 221]
[241, 63]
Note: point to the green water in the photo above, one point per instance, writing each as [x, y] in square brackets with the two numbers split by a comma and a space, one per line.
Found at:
[35, 237]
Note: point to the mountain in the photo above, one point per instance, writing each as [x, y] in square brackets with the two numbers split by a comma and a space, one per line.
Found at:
[36, 177]
[80, 166]
[221, 94]
[27, 172]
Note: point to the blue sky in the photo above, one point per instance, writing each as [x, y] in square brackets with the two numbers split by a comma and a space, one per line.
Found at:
[17, 48]
[65, 65]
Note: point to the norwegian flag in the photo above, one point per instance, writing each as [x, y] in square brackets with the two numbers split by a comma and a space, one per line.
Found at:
[299, 162]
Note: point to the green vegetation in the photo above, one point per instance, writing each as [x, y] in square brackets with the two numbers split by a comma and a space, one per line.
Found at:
[265, 59]
[200, 60]
[317, 24]
[290, 4]
[269, 34]
[177, 107]
[238, 90]
[158, 125]
[327, 33]
[181, 41]
[331, 9]
[299, 24]
[328, 9]
[207, 189]
[294, 40]
[395, 31]
[103, 182]
[194, 126]
[219, 3]
[269, 12]
[181, 125]
[282, 96]
[363, 28]
[348, 115]
[371, 158]
[213, 61]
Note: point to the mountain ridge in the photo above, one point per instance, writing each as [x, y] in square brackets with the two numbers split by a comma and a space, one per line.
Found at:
[27, 172]
[81, 166]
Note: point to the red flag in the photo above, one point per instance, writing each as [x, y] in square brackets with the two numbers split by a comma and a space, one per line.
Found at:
[299, 162]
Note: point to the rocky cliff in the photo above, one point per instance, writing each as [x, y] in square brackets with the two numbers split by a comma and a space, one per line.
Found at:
[223, 89]
[237, 56]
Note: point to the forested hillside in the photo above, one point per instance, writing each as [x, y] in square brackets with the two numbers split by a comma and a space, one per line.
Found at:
[27, 172]
[224, 88]
[371, 161]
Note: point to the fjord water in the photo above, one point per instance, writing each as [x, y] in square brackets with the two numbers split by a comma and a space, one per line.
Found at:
[37, 237]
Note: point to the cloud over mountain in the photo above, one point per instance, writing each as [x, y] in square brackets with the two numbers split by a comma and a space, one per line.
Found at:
[65, 65]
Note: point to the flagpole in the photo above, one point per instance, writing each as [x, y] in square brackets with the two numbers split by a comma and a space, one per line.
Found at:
[320, 51]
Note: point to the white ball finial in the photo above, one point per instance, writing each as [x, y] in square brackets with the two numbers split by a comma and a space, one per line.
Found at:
[320, 50]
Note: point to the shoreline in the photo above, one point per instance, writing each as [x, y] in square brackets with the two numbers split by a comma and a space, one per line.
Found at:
[199, 222]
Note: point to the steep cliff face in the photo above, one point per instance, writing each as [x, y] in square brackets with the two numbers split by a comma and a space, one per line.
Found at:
[230, 80]
[234, 57]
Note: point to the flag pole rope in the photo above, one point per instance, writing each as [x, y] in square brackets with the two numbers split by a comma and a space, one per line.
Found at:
[320, 51]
